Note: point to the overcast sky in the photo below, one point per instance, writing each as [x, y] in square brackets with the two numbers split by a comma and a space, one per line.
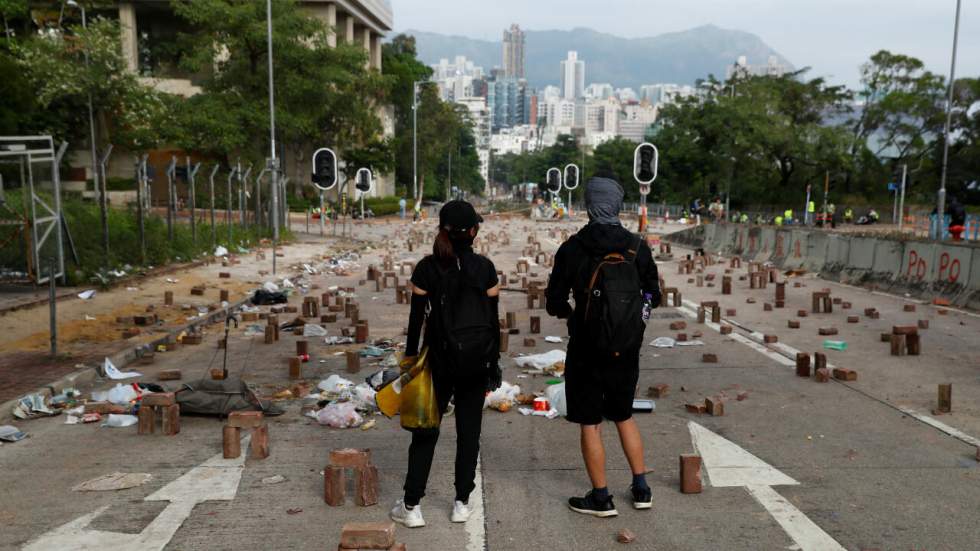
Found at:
[832, 36]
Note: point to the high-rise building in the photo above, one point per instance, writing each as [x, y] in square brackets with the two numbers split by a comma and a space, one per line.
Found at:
[509, 102]
[514, 52]
[572, 77]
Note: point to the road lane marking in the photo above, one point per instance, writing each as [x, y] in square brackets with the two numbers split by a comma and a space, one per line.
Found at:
[214, 480]
[728, 465]
[774, 356]
[476, 526]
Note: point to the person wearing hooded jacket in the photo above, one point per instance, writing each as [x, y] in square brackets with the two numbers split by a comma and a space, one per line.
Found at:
[598, 389]
[452, 257]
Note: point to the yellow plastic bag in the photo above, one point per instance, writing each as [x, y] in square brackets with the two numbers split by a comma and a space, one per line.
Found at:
[419, 406]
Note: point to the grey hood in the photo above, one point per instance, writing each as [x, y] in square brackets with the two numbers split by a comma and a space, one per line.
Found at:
[603, 200]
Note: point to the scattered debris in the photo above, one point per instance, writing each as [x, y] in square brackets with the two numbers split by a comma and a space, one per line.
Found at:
[113, 482]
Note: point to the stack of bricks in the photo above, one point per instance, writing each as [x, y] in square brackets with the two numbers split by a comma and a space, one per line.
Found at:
[822, 303]
[232, 434]
[365, 475]
[369, 535]
[311, 309]
[162, 403]
[904, 340]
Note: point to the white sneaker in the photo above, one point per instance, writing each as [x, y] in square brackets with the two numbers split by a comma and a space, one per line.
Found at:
[461, 512]
[409, 518]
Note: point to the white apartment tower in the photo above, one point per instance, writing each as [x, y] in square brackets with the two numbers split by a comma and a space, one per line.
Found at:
[572, 77]
[514, 52]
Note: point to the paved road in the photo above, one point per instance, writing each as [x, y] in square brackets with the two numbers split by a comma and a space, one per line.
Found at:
[854, 467]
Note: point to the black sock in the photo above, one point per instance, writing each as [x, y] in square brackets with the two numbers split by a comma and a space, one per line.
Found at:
[411, 503]
[640, 481]
[601, 494]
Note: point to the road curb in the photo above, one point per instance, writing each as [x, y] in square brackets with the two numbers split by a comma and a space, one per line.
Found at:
[121, 360]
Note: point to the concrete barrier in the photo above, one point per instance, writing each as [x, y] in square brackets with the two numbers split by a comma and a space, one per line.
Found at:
[816, 251]
[796, 250]
[922, 269]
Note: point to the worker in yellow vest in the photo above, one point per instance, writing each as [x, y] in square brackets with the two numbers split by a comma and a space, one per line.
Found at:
[788, 216]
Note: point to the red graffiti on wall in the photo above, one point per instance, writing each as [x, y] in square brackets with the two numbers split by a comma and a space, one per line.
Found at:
[916, 263]
[949, 269]
[779, 246]
[751, 243]
[796, 249]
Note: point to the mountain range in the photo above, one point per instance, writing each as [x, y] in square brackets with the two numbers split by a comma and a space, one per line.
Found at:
[678, 57]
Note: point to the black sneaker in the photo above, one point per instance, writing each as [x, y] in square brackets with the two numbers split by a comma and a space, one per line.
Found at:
[642, 498]
[591, 505]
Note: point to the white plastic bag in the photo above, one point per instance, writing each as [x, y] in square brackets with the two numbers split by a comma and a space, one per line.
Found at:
[556, 397]
[339, 415]
[541, 361]
[506, 393]
[220, 251]
[115, 420]
[314, 330]
[120, 394]
[363, 397]
[335, 384]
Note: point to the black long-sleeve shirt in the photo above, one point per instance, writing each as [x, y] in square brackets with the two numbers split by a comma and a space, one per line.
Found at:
[575, 260]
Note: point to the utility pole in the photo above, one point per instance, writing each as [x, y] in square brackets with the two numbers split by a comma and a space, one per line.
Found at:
[273, 162]
[901, 200]
[941, 208]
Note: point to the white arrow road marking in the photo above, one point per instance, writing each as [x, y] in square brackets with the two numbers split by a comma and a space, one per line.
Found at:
[214, 480]
[728, 465]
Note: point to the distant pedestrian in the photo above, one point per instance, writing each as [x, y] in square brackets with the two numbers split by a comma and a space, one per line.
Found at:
[402, 206]
[610, 272]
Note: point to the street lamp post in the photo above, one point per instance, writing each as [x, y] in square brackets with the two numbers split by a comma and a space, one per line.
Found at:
[99, 189]
[941, 208]
[273, 162]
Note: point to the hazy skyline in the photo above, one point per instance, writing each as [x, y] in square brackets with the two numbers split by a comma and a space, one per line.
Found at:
[832, 36]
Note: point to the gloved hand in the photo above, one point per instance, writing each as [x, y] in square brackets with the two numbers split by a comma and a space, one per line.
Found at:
[495, 378]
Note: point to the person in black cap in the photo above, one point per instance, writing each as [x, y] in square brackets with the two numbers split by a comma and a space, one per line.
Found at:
[455, 295]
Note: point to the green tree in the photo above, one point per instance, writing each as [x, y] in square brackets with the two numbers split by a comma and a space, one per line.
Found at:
[325, 95]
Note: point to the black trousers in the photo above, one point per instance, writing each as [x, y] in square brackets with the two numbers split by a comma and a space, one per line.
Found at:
[469, 395]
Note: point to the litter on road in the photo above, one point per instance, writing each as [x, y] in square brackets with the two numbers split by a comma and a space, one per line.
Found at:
[113, 482]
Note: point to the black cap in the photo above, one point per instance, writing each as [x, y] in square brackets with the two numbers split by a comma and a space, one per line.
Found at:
[458, 215]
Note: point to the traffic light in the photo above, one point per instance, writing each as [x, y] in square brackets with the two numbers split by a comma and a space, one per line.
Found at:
[646, 159]
[554, 180]
[324, 169]
[571, 177]
[364, 180]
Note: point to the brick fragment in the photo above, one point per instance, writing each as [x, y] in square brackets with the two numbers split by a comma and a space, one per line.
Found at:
[923, 324]
[819, 360]
[709, 358]
[913, 344]
[793, 324]
[366, 486]
[295, 368]
[908, 308]
[681, 337]
[224, 275]
[886, 337]
[530, 343]
[625, 535]
[822, 375]
[742, 395]
[350, 457]
[802, 364]
[678, 326]
[897, 344]
[231, 442]
[334, 486]
[844, 374]
[827, 331]
[367, 535]
[171, 420]
[853, 319]
[726, 329]
[246, 419]
[158, 399]
[945, 398]
[147, 421]
[802, 313]
[714, 406]
[905, 330]
[695, 408]
[260, 442]
[690, 473]
[770, 339]
[658, 390]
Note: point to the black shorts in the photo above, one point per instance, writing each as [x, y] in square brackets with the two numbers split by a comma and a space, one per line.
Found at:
[597, 389]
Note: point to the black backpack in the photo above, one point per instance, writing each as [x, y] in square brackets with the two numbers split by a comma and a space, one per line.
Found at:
[467, 330]
[614, 308]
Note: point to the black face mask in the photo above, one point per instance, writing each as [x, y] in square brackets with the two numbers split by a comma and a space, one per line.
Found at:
[461, 241]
